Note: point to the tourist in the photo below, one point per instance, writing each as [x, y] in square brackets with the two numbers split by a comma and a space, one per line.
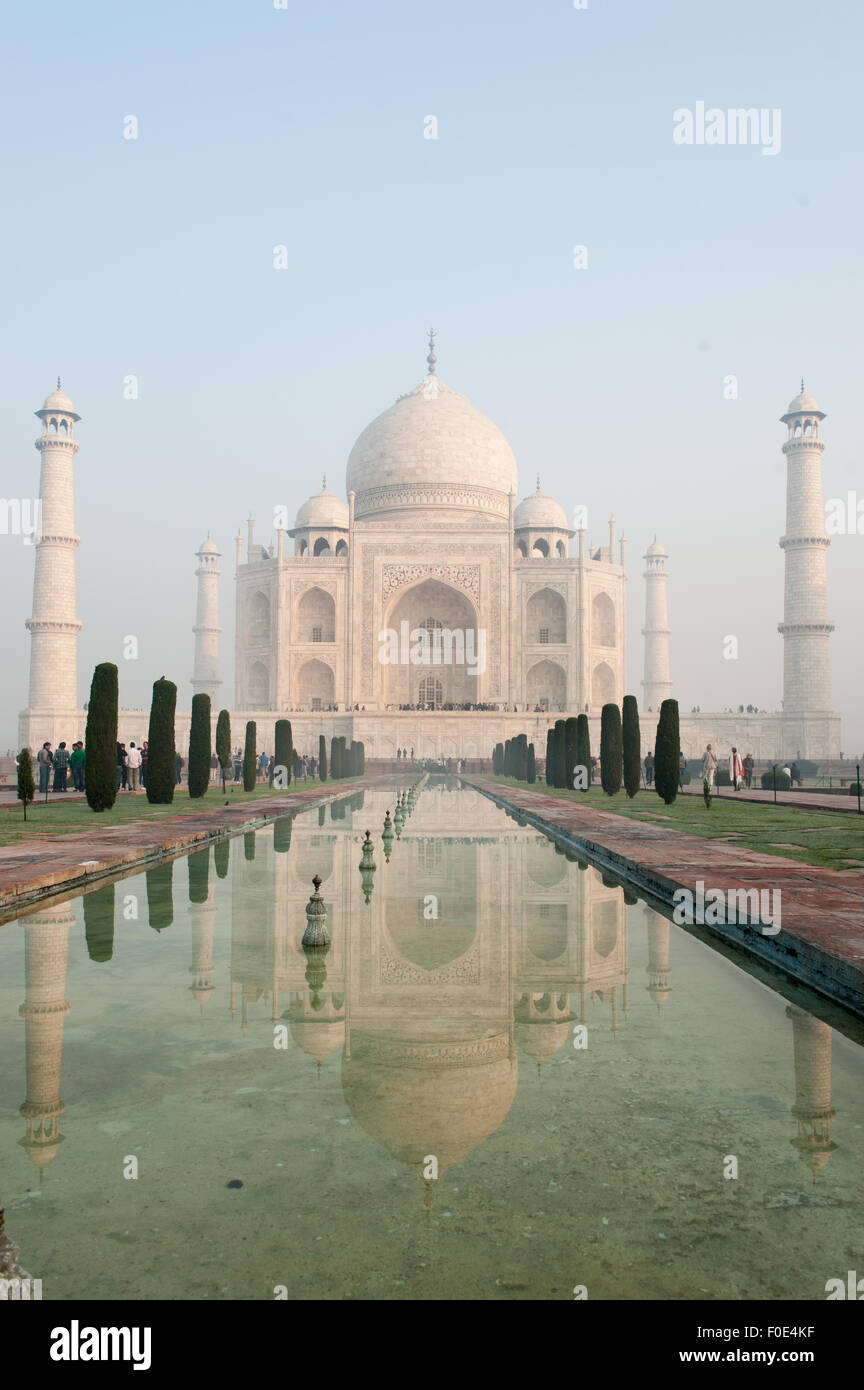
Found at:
[399, 753]
[143, 773]
[178, 768]
[748, 766]
[121, 765]
[214, 768]
[648, 765]
[682, 768]
[61, 764]
[44, 759]
[238, 765]
[133, 762]
[263, 762]
[736, 768]
[76, 764]
[795, 773]
[709, 766]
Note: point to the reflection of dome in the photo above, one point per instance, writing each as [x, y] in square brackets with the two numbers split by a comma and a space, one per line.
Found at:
[542, 1040]
[319, 1038]
[430, 949]
[442, 1097]
[538, 510]
[323, 509]
[432, 449]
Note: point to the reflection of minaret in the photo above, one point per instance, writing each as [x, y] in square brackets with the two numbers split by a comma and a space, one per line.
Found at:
[658, 967]
[203, 922]
[46, 944]
[812, 1108]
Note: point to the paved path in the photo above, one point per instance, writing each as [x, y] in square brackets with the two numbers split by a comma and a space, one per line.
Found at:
[821, 940]
[801, 800]
[34, 869]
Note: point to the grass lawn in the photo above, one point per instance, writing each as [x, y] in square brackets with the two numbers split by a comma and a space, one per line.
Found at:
[832, 839]
[64, 818]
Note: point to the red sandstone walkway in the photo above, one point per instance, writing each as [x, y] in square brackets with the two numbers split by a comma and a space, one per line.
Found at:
[34, 869]
[821, 940]
[802, 800]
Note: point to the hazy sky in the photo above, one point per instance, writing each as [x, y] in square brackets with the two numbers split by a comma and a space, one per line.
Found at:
[304, 127]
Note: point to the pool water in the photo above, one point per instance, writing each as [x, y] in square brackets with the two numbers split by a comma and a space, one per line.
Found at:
[502, 1081]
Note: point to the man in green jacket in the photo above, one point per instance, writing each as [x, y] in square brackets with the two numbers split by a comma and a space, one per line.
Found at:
[76, 763]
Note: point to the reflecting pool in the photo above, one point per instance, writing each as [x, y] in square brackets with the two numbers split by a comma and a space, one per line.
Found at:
[502, 1080]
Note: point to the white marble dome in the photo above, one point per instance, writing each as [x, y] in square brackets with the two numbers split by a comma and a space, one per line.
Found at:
[540, 513]
[323, 509]
[58, 400]
[802, 404]
[431, 449]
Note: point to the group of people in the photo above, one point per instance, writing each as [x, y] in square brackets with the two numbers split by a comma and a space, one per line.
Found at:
[61, 762]
[740, 769]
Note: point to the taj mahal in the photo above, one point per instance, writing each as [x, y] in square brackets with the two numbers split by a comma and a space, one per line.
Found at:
[435, 610]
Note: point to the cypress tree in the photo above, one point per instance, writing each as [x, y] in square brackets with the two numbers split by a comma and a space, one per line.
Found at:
[498, 759]
[667, 752]
[508, 757]
[160, 895]
[100, 739]
[322, 758]
[632, 745]
[335, 760]
[571, 750]
[161, 750]
[283, 749]
[282, 834]
[223, 742]
[200, 751]
[199, 874]
[222, 856]
[583, 747]
[531, 770]
[523, 757]
[250, 761]
[26, 785]
[99, 921]
[559, 758]
[610, 749]
[548, 773]
[249, 845]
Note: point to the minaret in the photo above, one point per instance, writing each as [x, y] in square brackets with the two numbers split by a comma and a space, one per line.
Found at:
[657, 685]
[54, 627]
[205, 677]
[805, 626]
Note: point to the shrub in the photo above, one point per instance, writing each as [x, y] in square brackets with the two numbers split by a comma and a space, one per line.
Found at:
[322, 758]
[631, 745]
[559, 758]
[250, 761]
[667, 752]
[855, 788]
[610, 749]
[100, 740]
[161, 749]
[548, 772]
[531, 769]
[784, 781]
[198, 776]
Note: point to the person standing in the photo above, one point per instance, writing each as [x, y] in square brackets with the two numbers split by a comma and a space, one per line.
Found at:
[76, 763]
[238, 764]
[748, 765]
[61, 765]
[709, 766]
[178, 768]
[736, 768]
[143, 774]
[649, 768]
[44, 759]
[682, 768]
[133, 762]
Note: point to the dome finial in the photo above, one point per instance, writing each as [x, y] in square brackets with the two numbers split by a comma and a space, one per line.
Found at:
[538, 482]
[802, 386]
[58, 383]
[324, 482]
[431, 360]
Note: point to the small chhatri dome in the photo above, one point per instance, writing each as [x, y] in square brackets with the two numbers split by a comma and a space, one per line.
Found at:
[655, 548]
[58, 400]
[208, 547]
[538, 510]
[323, 509]
[802, 404]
